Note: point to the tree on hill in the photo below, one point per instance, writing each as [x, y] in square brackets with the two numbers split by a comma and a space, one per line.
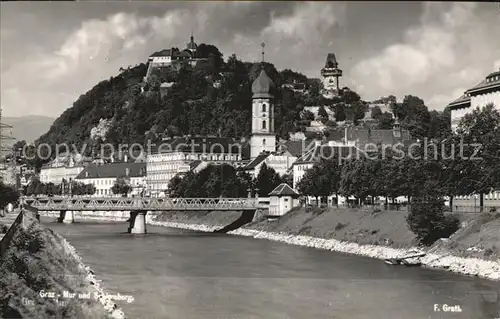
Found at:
[322, 113]
[7, 195]
[121, 187]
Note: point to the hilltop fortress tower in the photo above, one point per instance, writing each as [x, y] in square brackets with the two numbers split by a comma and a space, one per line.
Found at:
[331, 74]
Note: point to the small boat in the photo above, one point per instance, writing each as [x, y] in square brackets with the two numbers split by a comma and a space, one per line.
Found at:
[392, 261]
[406, 261]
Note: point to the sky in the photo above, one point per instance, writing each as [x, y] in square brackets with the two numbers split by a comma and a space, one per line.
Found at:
[52, 52]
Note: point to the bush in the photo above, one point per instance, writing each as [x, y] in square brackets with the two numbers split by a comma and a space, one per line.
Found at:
[428, 222]
[3, 229]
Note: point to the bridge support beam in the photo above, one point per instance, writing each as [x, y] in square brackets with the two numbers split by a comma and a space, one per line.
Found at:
[69, 217]
[137, 222]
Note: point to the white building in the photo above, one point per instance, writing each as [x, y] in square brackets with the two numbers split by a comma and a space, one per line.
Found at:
[279, 161]
[64, 167]
[103, 177]
[282, 199]
[487, 91]
[182, 154]
[314, 155]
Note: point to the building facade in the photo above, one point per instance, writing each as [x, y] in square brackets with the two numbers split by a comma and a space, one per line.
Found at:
[487, 91]
[103, 177]
[178, 155]
[282, 199]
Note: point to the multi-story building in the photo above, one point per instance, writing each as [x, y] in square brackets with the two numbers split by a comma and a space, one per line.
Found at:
[65, 167]
[178, 155]
[103, 177]
[487, 91]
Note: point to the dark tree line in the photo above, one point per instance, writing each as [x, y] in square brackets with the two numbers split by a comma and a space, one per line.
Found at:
[225, 181]
[36, 187]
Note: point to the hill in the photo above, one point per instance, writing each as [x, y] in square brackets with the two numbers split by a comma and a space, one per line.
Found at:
[212, 97]
[30, 127]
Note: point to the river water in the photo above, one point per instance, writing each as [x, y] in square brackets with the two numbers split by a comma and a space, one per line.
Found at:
[183, 274]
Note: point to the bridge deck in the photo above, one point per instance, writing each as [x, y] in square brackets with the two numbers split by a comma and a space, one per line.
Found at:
[139, 203]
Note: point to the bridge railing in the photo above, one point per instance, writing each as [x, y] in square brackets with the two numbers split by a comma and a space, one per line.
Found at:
[138, 203]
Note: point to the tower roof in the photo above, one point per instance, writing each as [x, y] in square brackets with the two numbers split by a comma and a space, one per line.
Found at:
[262, 86]
[192, 45]
[331, 61]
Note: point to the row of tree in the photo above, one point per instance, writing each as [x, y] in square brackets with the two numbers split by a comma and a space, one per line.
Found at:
[225, 181]
[462, 164]
[121, 186]
[36, 187]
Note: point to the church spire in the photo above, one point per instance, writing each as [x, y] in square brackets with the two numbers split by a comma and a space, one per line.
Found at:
[263, 45]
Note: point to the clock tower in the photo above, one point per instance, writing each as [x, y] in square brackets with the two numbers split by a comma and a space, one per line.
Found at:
[331, 74]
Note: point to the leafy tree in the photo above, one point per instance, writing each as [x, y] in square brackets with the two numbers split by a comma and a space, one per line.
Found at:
[267, 180]
[376, 113]
[121, 186]
[428, 222]
[7, 195]
[322, 112]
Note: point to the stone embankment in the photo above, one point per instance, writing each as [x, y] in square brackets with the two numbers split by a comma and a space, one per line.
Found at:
[44, 277]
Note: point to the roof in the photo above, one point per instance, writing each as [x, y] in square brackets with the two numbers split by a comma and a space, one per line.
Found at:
[262, 86]
[363, 136]
[490, 82]
[256, 161]
[113, 170]
[165, 52]
[296, 148]
[284, 189]
[328, 152]
[200, 144]
[193, 165]
[331, 61]
[463, 101]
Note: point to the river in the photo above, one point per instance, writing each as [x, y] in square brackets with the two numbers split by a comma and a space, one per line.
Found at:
[183, 274]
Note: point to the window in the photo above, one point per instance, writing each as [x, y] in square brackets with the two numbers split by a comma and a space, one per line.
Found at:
[264, 142]
[263, 125]
[263, 107]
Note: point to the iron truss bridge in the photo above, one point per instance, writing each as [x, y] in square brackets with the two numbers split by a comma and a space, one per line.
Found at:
[138, 203]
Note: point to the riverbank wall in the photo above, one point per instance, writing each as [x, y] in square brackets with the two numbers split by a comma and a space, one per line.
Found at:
[44, 277]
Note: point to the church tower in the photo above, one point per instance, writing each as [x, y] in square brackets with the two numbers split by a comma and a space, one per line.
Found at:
[263, 137]
[331, 74]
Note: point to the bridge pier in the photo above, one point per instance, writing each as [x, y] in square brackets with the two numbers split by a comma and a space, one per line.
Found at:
[137, 222]
[69, 217]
